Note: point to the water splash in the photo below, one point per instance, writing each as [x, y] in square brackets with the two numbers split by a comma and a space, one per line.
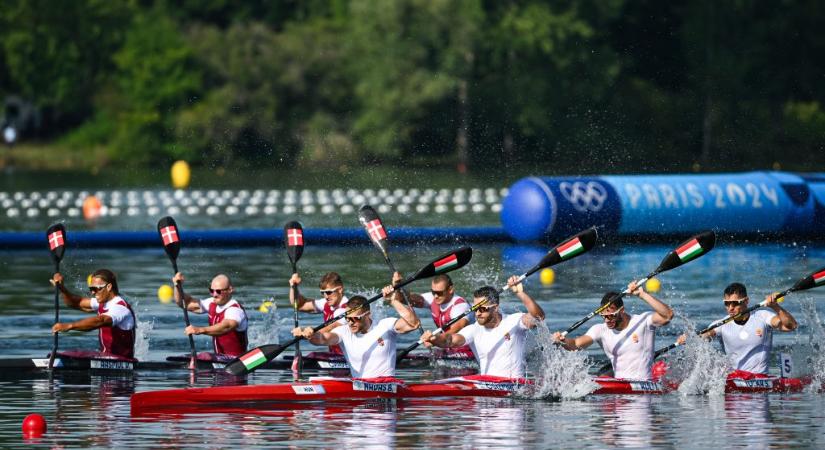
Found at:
[814, 358]
[265, 331]
[701, 368]
[142, 334]
[559, 373]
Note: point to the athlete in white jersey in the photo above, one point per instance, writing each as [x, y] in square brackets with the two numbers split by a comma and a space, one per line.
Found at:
[748, 340]
[626, 339]
[368, 346]
[497, 341]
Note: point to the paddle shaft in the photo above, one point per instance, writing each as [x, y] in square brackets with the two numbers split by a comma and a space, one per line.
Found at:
[182, 296]
[298, 366]
[56, 315]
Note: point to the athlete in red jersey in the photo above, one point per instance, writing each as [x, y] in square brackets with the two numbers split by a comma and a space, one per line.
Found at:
[333, 303]
[444, 306]
[227, 318]
[115, 319]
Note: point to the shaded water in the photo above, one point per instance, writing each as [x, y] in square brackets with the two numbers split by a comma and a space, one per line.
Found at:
[94, 411]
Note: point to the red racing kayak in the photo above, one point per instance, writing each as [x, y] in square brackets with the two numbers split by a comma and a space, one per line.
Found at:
[321, 389]
[737, 382]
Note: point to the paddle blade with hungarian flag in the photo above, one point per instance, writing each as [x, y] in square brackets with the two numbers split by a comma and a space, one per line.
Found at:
[811, 281]
[446, 263]
[56, 236]
[689, 250]
[168, 231]
[570, 248]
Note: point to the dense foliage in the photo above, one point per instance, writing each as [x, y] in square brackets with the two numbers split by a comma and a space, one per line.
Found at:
[610, 84]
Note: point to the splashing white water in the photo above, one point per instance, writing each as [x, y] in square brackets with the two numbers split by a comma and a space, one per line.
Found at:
[560, 373]
[144, 329]
[815, 359]
[702, 368]
[267, 330]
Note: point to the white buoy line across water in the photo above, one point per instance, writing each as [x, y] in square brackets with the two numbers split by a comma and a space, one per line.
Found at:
[244, 202]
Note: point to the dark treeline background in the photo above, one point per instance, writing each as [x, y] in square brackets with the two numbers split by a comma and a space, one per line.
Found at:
[567, 85]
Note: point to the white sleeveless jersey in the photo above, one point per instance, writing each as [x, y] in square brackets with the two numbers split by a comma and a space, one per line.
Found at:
[748, 346]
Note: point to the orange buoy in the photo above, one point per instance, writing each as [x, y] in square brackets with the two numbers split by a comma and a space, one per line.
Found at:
[91, 208]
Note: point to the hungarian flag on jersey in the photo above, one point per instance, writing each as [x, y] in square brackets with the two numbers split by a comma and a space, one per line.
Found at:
[570, 249]
[446, 264]
[295, 236]
[376, 230]
[689, 251]
[253, 359]
[819, 278]
[56, 240]
[169, 235]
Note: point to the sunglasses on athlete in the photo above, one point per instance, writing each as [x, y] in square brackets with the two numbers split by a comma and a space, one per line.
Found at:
[613, 315]
[94, 289]
[356, 319]
[328, 291]
[729, 303]
[486, 309]
[218, 291]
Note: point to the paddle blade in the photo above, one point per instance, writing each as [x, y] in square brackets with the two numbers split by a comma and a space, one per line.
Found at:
[56, 236]
[168, 231]
[445, 263]
[254, 358]
[811, 281]
[294, 241]
[569, 249]
[689, 250]
[373, 226]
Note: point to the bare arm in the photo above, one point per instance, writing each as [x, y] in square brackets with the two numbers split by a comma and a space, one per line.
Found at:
[578, 343]
[317, 337]
[87, 324]
[783, 320]
[218, 329]
[534, 312]
[192, 304]
[304, 304]
[662, 314]
[71, 299]
[408, 320]
[443, 340]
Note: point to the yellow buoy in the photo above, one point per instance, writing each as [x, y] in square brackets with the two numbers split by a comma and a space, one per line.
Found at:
[265, 306]
[165, 293]
[181, 175]
[89, 280]
[547, 276]
[653, 285]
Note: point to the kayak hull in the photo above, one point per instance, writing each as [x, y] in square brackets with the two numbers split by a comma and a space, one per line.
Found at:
[613, 386]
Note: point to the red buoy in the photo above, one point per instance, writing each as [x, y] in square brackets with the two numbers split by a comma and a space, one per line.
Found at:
[34, 425]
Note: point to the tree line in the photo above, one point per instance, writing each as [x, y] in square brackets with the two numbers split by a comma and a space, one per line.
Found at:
[565, 85]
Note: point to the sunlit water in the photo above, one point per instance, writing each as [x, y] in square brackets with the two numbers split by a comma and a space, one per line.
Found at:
[84, 411]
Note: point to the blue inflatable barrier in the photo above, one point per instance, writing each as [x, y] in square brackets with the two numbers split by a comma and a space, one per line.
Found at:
[753, 203]
[252, 238]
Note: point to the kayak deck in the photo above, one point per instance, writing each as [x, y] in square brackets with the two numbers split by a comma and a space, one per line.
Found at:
[732, 385]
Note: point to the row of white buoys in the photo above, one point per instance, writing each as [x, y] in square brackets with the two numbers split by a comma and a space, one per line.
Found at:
[92, 205]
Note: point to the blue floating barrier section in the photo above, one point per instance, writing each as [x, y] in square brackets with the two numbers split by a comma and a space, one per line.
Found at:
[253, 238]
[741, 204]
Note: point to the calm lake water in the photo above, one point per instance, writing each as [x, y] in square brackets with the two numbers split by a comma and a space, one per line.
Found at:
[93, 412]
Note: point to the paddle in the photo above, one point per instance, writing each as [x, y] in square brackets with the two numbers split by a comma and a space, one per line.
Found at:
[811, 281]
[56, 235]
[251, 360]
[686, 251]
[168, 230]
[378, 235]
[294, 243]
[569, 249]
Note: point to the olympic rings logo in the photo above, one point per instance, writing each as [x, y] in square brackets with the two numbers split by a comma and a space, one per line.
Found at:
[583, 196]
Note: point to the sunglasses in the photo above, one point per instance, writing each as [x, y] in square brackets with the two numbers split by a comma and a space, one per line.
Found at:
[486, 309]
[356, 319]
[614, 315]
[94, 289]
[729, 303]
[438, 293]
[328, 291]
[218, 291]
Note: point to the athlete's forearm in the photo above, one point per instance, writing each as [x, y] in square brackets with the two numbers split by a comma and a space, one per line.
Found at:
[533, 308]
